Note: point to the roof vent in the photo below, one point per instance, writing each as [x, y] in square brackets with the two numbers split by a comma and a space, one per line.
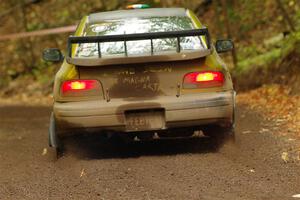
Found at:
[138, 6]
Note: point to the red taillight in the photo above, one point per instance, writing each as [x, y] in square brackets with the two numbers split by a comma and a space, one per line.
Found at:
[204, 79]
[80, 88]
[77, 85]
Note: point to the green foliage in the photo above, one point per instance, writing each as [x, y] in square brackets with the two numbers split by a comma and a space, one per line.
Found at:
[251, 22]
[269, 56]
[262, 60]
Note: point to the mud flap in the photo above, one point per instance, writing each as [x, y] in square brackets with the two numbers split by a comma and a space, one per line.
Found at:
[234, 109]
[53, 140]
[231, 130]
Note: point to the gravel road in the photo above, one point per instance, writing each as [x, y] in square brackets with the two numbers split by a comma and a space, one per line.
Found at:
[260, 165]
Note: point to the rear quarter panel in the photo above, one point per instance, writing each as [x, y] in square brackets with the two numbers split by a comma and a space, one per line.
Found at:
[67, 71]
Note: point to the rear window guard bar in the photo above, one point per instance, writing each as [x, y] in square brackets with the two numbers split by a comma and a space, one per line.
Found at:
[138, 36]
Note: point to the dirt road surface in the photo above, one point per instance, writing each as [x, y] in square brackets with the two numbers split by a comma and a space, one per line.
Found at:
[259, 166]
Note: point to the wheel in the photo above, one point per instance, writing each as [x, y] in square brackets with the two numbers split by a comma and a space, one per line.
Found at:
[59, 152]
[54, 141]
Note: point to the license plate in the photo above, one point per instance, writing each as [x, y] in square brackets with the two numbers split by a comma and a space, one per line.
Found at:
[144, 120]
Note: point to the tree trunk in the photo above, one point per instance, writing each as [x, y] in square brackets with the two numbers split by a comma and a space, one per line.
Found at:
[219, 29]
[228, 30]
[286, 15]
[28, 46]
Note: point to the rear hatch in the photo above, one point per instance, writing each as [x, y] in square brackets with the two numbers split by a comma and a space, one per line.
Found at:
[147, 80]
[144, 56]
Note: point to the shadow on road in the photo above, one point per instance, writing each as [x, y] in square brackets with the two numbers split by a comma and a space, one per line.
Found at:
[97, 147]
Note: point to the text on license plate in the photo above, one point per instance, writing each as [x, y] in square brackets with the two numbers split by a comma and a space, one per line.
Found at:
[144, 120]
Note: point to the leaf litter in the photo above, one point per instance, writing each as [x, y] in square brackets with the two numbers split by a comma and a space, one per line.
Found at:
[278, 105]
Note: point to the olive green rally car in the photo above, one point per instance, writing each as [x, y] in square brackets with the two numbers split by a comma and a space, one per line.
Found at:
[142, 73]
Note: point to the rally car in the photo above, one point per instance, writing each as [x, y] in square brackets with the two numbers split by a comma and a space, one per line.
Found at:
[142, 72]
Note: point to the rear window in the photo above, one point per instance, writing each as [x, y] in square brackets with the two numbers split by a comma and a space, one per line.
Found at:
[139, 25]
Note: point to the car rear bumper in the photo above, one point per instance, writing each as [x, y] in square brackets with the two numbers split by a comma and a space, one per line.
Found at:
[183, 111]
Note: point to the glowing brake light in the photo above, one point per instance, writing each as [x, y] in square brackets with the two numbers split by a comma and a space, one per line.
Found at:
[74, 85]
[207, 76]
[81, 88]
[77, 85]
[204, 79]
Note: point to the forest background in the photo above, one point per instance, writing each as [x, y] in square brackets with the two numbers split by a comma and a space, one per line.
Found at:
[266, 36]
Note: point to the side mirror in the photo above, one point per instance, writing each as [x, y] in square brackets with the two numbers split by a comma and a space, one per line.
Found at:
[53, 55]
[224, 46]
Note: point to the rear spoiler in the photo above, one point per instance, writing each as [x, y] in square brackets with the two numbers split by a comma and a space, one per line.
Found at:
[126, 59]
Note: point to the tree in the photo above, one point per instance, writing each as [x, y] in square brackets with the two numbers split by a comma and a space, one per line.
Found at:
[286, 15]
[217, 18]
[228, 30]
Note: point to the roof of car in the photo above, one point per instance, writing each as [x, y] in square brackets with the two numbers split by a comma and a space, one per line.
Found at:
[121, 14]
